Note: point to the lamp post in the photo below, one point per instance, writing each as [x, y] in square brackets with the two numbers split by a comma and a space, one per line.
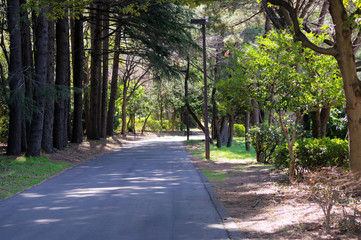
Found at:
[206, 129]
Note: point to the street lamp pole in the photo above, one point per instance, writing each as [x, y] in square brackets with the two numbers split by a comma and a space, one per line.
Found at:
[206, 129]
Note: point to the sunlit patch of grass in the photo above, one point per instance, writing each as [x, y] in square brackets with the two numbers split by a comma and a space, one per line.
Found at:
[214, 175]
[23, 172]
[236, 152]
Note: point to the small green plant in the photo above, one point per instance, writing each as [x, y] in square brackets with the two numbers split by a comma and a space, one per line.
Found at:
[239, 130]
[265, 139]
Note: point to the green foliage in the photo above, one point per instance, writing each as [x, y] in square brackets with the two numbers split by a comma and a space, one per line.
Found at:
[265, 139]
[315, 153]
[23, 172]
[239, 130]
[55, 9]
[312, 154]
[337, 124]
[156, 125]
[281, 156]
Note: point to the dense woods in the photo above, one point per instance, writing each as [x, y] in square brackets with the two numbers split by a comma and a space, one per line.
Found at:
[75, 69]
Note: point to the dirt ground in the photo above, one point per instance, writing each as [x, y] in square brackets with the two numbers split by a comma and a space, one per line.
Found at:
[259, 199]
[265, 206]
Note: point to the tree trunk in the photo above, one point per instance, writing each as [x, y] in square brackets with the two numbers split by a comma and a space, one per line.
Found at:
[104, 99]
[324, 116]
[114, 85]
[124, 110]
[145, 123]
[352, 86]
[41, 54]
[47, 139]
[197, 121]
[174, 114]
[230, 129]
[255, 113]
[78, 78]
[60, 123]
[94, 127]
[186, 97]
[16, 79]
[86, 93]
[215, 122]
[28, 70]
[224, 131]
[248, 116]
[316, 123]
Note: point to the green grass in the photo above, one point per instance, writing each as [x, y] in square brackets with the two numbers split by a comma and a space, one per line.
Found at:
[237, 151]
[23, 172]
[214, 175]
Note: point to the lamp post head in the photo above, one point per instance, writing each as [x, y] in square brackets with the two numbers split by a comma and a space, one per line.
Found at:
[201, 21]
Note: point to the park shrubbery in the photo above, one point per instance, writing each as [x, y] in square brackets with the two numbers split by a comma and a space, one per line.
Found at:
[239, 130]
[264, 140]
[312, 154]
[156, 125]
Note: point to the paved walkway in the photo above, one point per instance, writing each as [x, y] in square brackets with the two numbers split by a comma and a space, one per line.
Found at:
[148, 190]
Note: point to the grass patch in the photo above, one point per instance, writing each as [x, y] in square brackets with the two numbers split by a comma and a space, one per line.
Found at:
[214, 175]
[237, 151]
[23, 172]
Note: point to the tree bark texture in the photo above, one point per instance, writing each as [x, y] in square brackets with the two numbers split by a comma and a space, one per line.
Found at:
[255, 113]
[197, 120]
[324, 116]
[186, 97]
[93, 129]
[104, 99]
[145, 123]
[47, 139]
[316, 124]
[16, 79]
[78, 78]
[231, 132]
[114, 85]
[215, 121]
[28, 70]
[62, 53]
[248, 116]
[86, 93]
[124, 109]
[41, 55]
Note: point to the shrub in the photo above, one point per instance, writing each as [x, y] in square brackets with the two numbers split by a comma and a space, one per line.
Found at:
[312, 154]
[153, 126]
[281, 156]
[265, 139]
[316, 153]
[239, 130]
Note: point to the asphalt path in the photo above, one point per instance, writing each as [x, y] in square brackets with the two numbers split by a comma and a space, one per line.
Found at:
[147, 190]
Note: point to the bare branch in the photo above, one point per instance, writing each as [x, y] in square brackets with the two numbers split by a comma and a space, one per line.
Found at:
[298, 34]
[247, 19]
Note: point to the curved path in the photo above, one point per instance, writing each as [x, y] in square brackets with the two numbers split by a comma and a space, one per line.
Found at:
[148, 190]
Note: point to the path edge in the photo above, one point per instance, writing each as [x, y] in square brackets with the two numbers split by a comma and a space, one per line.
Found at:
[227, 221]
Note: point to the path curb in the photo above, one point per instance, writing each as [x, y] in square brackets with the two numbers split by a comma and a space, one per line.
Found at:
[229, 224]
